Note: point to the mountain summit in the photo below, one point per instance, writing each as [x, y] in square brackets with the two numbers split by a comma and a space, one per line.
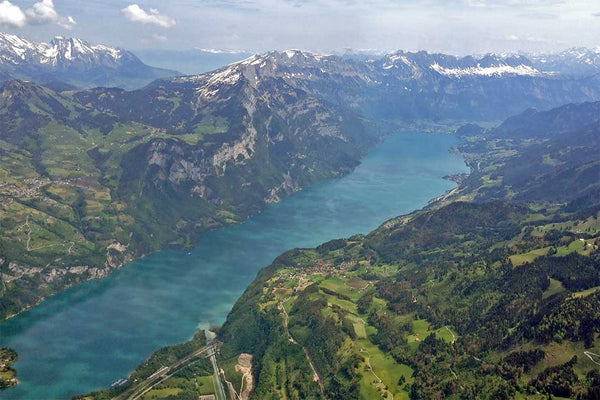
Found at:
[74, 62]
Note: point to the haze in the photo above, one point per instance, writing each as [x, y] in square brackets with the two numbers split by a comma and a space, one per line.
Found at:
[451, 26]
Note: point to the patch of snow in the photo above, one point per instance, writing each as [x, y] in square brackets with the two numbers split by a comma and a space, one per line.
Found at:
[291, 53]
[500, 70]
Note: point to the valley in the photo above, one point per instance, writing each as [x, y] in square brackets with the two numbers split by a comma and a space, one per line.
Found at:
[489, 293]
[94, 179]
[100, 330]
[196, 182]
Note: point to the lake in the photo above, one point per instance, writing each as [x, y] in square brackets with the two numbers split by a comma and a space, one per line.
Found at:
[86, 337]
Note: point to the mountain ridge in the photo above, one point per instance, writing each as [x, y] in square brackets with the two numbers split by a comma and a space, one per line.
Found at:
[73, 61]
[216, 147]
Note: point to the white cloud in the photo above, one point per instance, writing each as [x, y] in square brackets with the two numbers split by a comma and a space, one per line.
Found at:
[135, 13]
[12, 15]
[160, 38]
[42, 12]
[67, 22]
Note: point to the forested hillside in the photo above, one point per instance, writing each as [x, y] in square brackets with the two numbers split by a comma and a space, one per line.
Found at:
[492, 292]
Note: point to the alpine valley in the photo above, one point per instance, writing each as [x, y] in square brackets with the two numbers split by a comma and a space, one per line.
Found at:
[489, 292]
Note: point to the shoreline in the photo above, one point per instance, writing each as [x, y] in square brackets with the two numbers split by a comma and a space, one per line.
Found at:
[169, 246]
[389, 209]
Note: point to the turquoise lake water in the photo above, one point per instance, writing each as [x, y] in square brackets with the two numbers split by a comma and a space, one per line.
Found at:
[87, 337]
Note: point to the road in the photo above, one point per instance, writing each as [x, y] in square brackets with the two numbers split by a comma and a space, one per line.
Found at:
[220, 390]
[163, 374]
[379, 382]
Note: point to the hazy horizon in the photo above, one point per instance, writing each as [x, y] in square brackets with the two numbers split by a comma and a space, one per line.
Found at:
[458, 27]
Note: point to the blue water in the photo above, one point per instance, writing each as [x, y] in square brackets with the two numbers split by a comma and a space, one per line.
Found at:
[85, 338]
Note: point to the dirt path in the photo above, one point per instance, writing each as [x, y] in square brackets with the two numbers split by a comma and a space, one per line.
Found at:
[30, 231]
[453, 337]
[591, 356]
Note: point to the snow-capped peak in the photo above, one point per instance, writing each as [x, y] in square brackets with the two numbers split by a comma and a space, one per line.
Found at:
[16, 50]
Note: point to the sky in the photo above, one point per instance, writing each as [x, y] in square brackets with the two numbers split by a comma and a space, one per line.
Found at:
[327, 26]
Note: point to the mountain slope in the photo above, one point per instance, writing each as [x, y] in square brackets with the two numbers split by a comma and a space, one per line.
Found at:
[486, 299]
[75, 62]
[73, 176]
[549, 156]
[490, 293]
[212, 149]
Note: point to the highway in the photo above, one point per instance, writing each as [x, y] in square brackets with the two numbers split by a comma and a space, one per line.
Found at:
[163, 374]
[220, 390]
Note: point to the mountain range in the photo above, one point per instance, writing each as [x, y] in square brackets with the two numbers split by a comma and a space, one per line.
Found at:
[492, 291]
[73, 62]
[215, 147]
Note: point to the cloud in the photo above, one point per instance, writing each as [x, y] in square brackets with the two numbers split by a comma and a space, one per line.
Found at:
[596, 14]
[42, 12]
[135, 13]
[160, 38]
[11, 15]
[67, 22]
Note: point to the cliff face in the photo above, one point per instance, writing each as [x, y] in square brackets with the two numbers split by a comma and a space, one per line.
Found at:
[93, 189]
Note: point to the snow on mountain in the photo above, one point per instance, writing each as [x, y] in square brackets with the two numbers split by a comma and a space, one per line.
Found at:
[416, 65]
[73, 61]
[16, 50]
[577, 61]
[478, 70]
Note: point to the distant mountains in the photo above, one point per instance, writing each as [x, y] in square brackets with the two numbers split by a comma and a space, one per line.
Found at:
[401, 86]
[580, 62]
[64, 62]
[190, 62]
[125, 173]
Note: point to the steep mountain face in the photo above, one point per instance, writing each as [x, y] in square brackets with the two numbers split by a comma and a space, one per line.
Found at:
[550, 123]
[114, 188]
[73, 61]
